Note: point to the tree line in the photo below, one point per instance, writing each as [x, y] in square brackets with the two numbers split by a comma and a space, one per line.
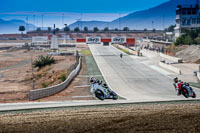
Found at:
[189, 37]
[77, 29]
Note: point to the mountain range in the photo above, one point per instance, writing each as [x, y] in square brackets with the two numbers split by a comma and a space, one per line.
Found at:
[158, 17]
[12, 26]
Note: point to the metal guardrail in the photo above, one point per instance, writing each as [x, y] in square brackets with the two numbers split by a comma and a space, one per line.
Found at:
[45, 92]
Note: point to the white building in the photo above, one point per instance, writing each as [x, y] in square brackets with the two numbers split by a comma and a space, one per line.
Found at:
[187, 17]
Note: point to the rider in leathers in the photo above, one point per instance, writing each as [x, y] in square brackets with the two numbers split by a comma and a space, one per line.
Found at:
[178, 85]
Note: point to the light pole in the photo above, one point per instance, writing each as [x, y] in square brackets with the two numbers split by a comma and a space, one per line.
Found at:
[33, 86]
[78, 22]
[42, 20]
[152, 25]
[62, 20]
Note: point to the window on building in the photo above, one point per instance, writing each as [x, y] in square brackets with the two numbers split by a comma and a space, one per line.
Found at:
[194, 12]
[189, 12]
[184, 22]
[198, 21]
[183, 12]
[188, 22]
[193, 21]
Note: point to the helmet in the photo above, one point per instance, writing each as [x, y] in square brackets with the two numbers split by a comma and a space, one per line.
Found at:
[175, 79]
[105, 85]
[92, 80]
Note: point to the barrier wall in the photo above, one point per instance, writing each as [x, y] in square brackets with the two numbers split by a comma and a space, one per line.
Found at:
[45, 92]
[170, 67]
[129, 50]
[198, 75]
[175, 59]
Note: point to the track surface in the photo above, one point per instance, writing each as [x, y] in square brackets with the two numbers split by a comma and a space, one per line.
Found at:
[131, 78]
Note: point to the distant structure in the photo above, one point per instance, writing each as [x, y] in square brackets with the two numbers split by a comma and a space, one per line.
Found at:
[187, 17]
[54, 40]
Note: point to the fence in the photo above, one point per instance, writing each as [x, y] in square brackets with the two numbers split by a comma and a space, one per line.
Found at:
[45, 92]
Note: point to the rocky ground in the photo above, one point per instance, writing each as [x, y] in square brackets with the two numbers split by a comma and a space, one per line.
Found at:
[121, 118]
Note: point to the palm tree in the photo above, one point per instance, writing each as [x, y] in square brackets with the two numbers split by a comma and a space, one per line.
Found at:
[95, 29]
[22, 29]
[49, 29]
[106, 29]
[57, 29]
[76, 29]
[126, 29]
[85, 29]
[38, 29]
[66, 29]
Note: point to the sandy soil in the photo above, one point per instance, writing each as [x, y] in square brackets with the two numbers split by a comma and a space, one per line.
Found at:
[16, 76]
[118, 119]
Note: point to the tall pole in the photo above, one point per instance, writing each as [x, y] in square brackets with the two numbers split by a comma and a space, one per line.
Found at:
[33, 86]
[152, 25]
[62, 20]
[42, 21]
[81, 20]
[163, 22]
[26, 24]
[119, 21]
[34, 22]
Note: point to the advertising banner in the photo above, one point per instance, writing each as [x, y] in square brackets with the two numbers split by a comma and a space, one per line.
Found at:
[118, 40]
[93, 40]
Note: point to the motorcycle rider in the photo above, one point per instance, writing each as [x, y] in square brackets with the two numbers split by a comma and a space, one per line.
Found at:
[178, 85]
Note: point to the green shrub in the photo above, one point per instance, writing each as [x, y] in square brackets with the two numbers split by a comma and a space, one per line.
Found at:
[63, 77]
[43, 61]
[44, 85]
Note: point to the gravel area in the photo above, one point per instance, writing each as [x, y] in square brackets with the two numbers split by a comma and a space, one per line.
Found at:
[121, 118]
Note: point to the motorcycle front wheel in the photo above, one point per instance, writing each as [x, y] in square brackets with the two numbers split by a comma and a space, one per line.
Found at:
[99, 94]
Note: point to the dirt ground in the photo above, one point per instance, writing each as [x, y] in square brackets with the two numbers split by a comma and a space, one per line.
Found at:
[183, 118]
[16, 74]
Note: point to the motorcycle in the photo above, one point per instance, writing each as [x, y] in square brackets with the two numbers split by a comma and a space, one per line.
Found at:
[187, 91]
[101, 90]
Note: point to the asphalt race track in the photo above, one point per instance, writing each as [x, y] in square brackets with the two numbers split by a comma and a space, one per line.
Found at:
[131, 78]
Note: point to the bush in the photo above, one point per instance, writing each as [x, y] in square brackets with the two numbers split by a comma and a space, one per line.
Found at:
[63, 77]
[198, 39]
[188, 40]
[43, 61]
[44, 85]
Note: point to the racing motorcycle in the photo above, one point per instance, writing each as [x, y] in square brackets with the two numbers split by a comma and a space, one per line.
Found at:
[187, 91]
[101, 90]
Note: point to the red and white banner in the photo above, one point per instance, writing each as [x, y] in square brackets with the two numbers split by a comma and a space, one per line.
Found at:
[118, 40]
[93, 40]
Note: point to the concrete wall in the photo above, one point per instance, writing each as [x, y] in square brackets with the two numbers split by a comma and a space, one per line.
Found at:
[170, 67]
[171, 58]
[45, 92]
[198, 75]
[129, 50]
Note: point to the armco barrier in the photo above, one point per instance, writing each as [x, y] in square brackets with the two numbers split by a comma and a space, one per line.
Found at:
[45, 92]
[171, 58]
[170, 67]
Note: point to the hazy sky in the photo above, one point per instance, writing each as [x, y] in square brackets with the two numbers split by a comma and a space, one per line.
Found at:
[53, 10]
